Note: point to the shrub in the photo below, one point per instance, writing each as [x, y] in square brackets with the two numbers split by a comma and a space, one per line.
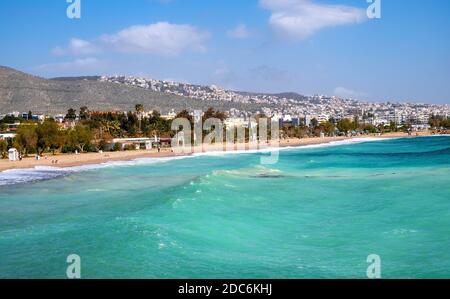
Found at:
[130, 147]
[117, 147]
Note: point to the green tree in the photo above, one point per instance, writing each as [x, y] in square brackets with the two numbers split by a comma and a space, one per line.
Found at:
[356, 122]
[139, 113]
[117, 147]
[327, 128]
[3, 148]
[446, 123]
[211, 113]
[370, 129]
[26, 138]
[79, 137]
[130, 123]
[185, 114]
[84, 113]
[139, 108]
[393, 126]
[3, 127]
[345, 125]
[71, 114]
[9, 119]
[49, 136]
[156, 125]
[437, 122]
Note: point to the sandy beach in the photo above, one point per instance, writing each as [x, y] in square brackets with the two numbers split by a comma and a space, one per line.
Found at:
[69, 160]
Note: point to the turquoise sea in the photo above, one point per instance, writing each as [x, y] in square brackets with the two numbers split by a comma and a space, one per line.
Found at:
[317, 213]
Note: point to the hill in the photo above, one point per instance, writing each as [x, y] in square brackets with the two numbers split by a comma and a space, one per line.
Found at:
[23, 92]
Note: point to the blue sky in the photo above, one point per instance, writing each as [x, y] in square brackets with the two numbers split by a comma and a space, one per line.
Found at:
[307, 46]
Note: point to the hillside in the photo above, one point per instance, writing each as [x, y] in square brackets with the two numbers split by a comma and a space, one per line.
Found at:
[23, 92]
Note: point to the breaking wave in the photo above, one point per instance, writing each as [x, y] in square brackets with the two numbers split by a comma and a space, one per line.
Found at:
[39, 173]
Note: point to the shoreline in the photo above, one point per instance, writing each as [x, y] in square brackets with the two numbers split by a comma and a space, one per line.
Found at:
[73, 160]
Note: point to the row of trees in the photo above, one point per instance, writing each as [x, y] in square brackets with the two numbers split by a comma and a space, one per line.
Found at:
[47, 136]
[437, 122]
[108, 125]
[343, 126]
[328, 128]
[92, 131]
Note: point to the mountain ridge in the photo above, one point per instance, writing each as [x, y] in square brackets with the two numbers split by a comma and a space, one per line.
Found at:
[22, 92]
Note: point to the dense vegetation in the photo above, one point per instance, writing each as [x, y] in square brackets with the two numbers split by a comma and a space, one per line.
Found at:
[339, 128]
[92, 132]
[439, 122]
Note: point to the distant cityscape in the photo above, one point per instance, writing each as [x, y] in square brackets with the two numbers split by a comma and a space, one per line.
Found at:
[288, 107]
[296, 107]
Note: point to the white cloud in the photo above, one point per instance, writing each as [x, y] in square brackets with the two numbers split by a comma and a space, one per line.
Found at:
[160, 38]
[77, 47]
[348, 93]
[299, 19]
[239, 32]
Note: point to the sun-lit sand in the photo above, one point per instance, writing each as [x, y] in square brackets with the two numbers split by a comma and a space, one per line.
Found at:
[68, 160]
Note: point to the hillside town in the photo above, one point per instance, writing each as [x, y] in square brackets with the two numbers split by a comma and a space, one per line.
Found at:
[298, 109]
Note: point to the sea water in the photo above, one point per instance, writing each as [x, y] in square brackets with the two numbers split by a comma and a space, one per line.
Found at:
[317, 213]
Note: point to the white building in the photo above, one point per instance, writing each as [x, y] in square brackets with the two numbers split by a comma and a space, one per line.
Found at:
[138, 143]
[169, 116]
[7, 136]
[13, 154]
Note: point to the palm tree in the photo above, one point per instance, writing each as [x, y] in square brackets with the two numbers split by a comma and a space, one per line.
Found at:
[140, 113]
[139, 108]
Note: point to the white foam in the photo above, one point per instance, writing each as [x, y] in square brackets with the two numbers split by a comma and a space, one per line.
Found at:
[38, 173]
[135, 162]
[16, 176]
[294, 147]
[438, 135]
